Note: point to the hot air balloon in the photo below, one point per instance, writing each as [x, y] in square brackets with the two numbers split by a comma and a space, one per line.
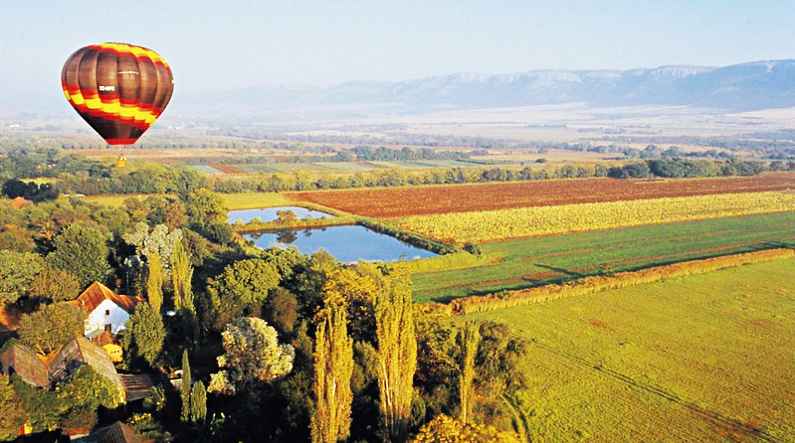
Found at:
[118, 88]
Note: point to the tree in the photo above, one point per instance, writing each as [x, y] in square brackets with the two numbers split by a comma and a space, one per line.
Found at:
[283, 310]
[472, 249]
[240, 289]
[470, 338]
[16, 239]
[17, 272]
[252, 353]
[397, 354]
[51, 326]
[83, 251]
[285, 217]
[157, 241]
[333, 364]
[12, 416]
[444, 429]
[154, 281]
[204, 208]
[198, 403]
[181, 276]
[285, 260]
[15, 188]
[165, 210]
[248, 280]
[145, 334]
[185, 388]
[55, 285]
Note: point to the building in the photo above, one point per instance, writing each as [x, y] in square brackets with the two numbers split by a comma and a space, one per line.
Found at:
[16, 358]
[79, 352]
[105, 310]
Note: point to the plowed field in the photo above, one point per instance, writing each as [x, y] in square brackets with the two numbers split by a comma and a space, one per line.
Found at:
[399, 202]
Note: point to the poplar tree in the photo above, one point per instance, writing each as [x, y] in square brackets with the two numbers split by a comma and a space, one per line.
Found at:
[397, 355]
[333, 364]
[181, 275]
[198, 403]
[470, 339]
[185, 388]
[154, 281]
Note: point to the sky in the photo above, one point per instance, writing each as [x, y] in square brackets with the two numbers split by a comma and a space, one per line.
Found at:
[227, 44]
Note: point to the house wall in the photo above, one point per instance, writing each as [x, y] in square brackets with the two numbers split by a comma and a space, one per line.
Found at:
[95, 323]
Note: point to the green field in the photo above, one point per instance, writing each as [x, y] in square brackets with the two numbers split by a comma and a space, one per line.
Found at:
[527, 262]
[700, 358]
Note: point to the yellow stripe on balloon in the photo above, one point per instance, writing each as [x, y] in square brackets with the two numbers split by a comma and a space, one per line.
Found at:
[136, 51]
[113, 107]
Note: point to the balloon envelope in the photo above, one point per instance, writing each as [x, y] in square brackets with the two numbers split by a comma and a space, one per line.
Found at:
[118, 88]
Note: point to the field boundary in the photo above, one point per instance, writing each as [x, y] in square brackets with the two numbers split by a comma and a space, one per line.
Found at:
[593, 284]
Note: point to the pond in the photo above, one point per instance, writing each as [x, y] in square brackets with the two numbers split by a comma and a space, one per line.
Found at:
[346, 243]
[269, 214]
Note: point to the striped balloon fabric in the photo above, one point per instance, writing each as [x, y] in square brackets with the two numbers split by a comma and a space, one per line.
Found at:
[118, 88]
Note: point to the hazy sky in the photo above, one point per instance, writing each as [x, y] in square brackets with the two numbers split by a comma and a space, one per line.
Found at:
[329, 41]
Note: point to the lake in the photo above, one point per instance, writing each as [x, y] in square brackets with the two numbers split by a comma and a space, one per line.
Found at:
[269, 214]
[346, 243]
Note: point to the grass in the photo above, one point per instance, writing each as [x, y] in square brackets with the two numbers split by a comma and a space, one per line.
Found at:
[699, 358]
[253, 200]
[522, 263]
[113, 200]
[244, 200]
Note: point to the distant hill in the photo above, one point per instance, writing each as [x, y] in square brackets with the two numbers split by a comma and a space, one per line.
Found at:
[746, 86]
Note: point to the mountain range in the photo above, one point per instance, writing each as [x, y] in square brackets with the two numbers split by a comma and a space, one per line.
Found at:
[740, 87]
[746, 86]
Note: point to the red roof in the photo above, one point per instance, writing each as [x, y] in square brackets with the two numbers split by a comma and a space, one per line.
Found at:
[97, 293]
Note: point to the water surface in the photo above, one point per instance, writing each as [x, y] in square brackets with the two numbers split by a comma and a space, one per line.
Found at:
[346, 243]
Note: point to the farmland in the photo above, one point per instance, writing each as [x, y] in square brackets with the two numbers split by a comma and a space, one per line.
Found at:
[525, 222]
[527, 262]
[399, 202]
[678, 360]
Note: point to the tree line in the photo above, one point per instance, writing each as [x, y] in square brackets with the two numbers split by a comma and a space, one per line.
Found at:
[76, 175]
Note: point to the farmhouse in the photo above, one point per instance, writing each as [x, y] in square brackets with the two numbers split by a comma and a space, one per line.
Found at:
[105, 310]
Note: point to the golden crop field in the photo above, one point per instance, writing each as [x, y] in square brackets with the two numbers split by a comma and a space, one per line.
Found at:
[699, 358]
[528, 222]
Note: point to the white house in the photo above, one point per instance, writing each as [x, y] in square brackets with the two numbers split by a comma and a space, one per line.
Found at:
[105, 310]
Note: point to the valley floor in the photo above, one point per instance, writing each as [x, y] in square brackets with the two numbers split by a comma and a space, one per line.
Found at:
[700, 358]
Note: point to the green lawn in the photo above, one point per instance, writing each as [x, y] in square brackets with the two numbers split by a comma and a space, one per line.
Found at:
[527, 262]
[700, 358]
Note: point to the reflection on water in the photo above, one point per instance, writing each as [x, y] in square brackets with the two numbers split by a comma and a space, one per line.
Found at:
[270, 214]
[346, 243]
